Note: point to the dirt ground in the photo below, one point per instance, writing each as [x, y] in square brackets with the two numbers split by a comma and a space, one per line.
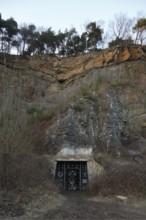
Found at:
[79, 206]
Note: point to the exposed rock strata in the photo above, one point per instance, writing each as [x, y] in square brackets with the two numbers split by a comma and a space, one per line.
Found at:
[103, 107]
[64, 68]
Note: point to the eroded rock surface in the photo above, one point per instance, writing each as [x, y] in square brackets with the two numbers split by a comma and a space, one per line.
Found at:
[98, 99]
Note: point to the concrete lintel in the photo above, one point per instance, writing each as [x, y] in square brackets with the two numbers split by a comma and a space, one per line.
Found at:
[73, 159]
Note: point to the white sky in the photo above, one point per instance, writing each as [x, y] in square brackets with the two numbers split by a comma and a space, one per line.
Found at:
[61, 14]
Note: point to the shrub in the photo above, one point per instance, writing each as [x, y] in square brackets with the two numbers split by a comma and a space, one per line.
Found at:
[84, 91]
[79, 106]
[92, 96]
[125, 180]
[26, 171]
[99, 82]
[116, 83]
[38, 114]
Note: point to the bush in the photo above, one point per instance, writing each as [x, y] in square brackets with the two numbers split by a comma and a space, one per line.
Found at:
[126, 180]
[79, 107]
[92, 97]
[38, 114]
[25, 171]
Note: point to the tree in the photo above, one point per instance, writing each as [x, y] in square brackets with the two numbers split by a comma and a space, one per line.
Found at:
[67, 42]
[94, 35]
[11, 30]
[27, 34]
[140, 29]
[120, 27]
[71, 40]
[77, 44]
[35, 46]
[1, 32]
[17, 137]
[48, 41]
[24, 33]
[84, 42]
[8, 29]
[60, 38]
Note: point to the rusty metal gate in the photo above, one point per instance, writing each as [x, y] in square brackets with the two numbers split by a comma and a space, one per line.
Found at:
[72, 174]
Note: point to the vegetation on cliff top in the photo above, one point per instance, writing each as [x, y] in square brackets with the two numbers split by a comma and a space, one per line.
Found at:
[28, 39]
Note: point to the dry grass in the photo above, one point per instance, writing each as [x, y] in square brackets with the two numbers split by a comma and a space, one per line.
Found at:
[122, 180]
[27, 185]
[24, 172]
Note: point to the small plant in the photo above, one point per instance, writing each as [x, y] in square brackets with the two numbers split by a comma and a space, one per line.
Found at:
[88, 92]
[92, 96]
[98, 82]
[117, 82]
[79, 106]
[74, 97]
[84, 91]
[38, 114]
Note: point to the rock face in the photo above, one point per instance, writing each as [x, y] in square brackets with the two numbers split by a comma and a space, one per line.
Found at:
[98, 99]
[42, 76]
[94, 60]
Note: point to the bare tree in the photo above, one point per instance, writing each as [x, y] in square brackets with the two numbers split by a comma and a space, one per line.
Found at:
[13, 120]
[120, 27]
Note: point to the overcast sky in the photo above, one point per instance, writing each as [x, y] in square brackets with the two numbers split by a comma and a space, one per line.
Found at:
[61, 14]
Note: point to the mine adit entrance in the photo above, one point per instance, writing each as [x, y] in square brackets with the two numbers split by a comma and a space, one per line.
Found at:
[72, 175]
